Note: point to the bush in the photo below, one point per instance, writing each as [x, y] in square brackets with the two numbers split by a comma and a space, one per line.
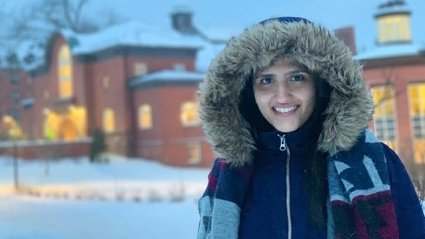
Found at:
[98, 146]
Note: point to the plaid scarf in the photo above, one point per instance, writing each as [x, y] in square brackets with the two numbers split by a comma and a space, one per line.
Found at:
[360, 194]
[360, 197]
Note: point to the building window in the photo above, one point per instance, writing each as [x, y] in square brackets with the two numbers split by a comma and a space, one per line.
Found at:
[105, 82]
[140, 68]
[10, 128]
[145, 117]
[15, 96]
[384, 118]
[65, 72]
[194, 152]
[394, 28]
[15, 78]
[179, 67]
[189, 115]
[416, 93]
[108, 120]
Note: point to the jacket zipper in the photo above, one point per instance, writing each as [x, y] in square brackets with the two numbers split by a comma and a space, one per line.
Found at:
[284, 147]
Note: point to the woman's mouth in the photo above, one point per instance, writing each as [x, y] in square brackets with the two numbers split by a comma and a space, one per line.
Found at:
[285, 109]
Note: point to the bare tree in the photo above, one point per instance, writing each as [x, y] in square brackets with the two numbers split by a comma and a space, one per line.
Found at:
[38, 20]
[390, 78]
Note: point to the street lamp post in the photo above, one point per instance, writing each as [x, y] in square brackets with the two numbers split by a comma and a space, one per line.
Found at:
[15, 165]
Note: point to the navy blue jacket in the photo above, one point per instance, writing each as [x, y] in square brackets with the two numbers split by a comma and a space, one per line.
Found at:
[264, 211]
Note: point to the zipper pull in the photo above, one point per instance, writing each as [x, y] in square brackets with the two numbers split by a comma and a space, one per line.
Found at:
[282, 146]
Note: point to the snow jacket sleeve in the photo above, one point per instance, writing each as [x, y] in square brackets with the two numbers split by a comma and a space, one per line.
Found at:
[410, 215]
[219, 206]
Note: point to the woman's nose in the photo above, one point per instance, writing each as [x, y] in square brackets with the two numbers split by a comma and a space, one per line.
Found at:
[283, 92]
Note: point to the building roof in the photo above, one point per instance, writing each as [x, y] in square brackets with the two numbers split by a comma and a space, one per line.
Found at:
[131, 33]
[392, 7]
[391, 51]
[167, 76]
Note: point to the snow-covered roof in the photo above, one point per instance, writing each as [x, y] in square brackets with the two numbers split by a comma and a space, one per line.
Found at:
[133, 33]
[391, 51]
[391, 9]
[168, 76]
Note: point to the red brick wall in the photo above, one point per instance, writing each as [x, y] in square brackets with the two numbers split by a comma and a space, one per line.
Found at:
[167, 140]
[401, 76]
[158, 63]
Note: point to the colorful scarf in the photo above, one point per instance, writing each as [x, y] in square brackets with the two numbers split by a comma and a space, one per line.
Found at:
[360, 196]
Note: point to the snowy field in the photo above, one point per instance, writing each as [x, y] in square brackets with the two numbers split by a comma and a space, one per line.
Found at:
[75, 199]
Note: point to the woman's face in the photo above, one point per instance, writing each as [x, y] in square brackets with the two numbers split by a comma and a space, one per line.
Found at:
[285, 94]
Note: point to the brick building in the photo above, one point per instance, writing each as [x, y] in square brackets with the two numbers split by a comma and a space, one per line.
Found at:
[138, 84]
[134, 82]
[395, 73]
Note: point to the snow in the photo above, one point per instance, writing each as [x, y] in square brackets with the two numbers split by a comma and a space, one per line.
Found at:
[132, 33]
[168, 75]
[125, 198]
[388, 51]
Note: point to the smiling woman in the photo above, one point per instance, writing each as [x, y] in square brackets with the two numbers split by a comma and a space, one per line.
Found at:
[286, 110]
[285, 95]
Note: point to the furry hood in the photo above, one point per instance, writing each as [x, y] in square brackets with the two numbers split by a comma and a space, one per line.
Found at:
[349, 109]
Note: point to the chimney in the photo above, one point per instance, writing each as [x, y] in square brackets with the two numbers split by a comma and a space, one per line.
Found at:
[346, 34]
[181, 18]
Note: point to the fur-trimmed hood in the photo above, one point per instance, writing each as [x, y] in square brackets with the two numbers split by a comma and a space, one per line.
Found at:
[349, 109]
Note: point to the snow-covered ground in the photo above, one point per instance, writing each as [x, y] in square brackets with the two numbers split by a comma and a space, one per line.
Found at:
[75, 199]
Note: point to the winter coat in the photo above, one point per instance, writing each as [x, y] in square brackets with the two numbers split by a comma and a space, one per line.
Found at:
[344, 128]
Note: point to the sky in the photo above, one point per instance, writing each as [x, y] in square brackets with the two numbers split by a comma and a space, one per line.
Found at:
[231, 17]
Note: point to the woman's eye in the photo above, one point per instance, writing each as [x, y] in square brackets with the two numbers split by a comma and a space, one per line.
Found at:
[297, 77]
[266, 80]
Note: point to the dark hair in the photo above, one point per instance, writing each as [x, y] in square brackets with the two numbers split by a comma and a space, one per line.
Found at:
[317, 183]
[249, 109]
[317, 171]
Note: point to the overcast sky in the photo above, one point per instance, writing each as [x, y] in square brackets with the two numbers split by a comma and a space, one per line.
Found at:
[231, 16]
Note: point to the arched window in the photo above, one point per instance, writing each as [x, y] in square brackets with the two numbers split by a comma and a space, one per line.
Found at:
[189, 115]
[65, 72]
[108, 120]
[145, 117]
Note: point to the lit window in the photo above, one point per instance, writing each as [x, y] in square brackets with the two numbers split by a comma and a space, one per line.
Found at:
[384, 118]
[145, 117]
[417, 117]
[51, 124]
[194, 151]
[108, 120]
[394, 28]
[10, 129]
[140, 68]
[189, 115]
[65, 72]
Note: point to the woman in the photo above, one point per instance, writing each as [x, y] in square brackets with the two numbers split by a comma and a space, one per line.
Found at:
[285, 108]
